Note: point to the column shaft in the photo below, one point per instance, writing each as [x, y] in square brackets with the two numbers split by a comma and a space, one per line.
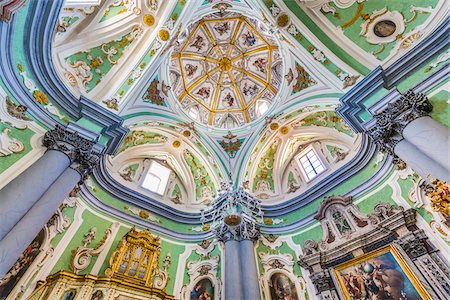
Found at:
[431, 138]
[419, 162]
[250, 286]
[29, 226]
[233, 279]
[18, 196]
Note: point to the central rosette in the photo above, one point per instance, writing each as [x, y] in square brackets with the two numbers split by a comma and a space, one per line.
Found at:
[226, 72]
[225, 63]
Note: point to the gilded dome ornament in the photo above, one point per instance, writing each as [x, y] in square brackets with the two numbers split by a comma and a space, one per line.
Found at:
[222, 73]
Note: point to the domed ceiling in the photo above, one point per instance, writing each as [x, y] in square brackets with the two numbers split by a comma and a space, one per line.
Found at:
[227, 71]
[220, 91]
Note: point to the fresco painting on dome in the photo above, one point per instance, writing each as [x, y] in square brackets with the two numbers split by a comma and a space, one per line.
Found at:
[204, 186]
[203, 290]
[141, 137]
[325, 119]
[90, 66]
[224, 67]
[153, 93]
[303, 79]
[282, 288]
[381, 274]
[8, 282]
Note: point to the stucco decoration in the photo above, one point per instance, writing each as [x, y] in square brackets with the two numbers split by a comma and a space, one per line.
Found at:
[274, 172]
[280, 264]
[195, 174]
[224, 73]
[199, 270]
[9, 145]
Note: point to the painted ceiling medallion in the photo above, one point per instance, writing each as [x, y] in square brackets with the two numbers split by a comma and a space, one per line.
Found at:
[225, 73]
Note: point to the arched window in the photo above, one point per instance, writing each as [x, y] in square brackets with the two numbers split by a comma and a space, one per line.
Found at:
[203, 290]
[282, 287]
[157, 178]
[311, 164]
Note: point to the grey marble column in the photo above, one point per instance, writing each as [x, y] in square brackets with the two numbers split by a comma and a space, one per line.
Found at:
[430, 137]
[19, 195]
[29, 226]
[422, 164]
[233, 278]
[404, 129]
[66, 148]
[249, 270]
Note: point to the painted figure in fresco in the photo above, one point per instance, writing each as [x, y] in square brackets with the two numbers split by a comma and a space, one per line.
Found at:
[204, 92]
[250, 90]
[203, 290]
[282, 288]
[98, 295]
[229, 100]
[222, 28]
[190, 70]
[341, 223]
[378, 278]
[198, 43]
[249, 39]
[384, 28]
[260, 64]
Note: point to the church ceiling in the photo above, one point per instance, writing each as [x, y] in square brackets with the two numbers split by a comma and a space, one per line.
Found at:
[209, 88]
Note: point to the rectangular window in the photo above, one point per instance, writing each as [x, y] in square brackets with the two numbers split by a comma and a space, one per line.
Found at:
[311, 164]
[156, 178]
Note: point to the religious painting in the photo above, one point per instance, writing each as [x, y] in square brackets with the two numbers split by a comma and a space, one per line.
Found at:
[69, 295]
[22, 264]
[380, 274]
[282, 287]
[384, 28]
[203, 290]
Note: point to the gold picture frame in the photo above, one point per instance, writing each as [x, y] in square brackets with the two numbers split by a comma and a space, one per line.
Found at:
[354, 275]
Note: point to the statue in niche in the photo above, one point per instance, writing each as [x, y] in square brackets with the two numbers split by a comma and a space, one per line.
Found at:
[203, 290]
[341, 223]
[282, 288]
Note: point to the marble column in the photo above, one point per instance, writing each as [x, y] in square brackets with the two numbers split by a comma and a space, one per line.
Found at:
[75, 159]
[405, 130]
[249, 270]
[420, 162]
[233, 278]
[431, 137]
[23, 233]
[18, 196]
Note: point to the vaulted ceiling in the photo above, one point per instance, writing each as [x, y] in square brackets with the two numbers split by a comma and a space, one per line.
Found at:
[232, 90]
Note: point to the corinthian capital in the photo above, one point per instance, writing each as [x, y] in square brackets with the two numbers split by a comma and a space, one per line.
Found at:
[246, 229]
[390, 122]
[79, 149]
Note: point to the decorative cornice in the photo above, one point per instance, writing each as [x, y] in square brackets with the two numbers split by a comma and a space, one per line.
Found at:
[78, 149]
[38, 38]
[391, 121]
[354, 102]
[9, 7]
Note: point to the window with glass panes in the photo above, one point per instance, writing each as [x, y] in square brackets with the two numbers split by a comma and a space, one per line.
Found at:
[311, 164]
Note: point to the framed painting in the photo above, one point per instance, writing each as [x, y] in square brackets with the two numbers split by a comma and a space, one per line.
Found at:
[380, 274]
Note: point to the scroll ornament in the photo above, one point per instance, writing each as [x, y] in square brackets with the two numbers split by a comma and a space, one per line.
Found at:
[82, 257]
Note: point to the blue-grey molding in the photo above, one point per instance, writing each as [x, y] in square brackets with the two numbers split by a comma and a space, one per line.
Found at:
[43, 16]
[353, 103]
